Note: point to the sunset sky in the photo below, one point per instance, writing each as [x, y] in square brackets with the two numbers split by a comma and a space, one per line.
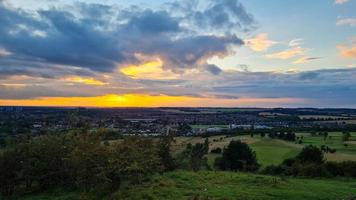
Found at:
[221, 53]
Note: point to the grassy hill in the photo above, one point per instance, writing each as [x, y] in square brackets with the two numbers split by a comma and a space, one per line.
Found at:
[223, 185]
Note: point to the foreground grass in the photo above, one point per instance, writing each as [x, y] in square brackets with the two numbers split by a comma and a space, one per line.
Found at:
[225, 186]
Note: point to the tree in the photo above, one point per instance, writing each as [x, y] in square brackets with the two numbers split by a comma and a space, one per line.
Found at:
[325, 135]
[135, 158]
[272, 135]
[164, 153]
[346, 136]
[263, 134]
[47, 160]
[238, 156]
[183, 129]
[310, 154]
[89, 161]
[197, 156]
[206, 145]
[193, 157]
[10, 166]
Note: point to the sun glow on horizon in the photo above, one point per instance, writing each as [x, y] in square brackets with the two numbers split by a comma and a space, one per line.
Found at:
[145, 100]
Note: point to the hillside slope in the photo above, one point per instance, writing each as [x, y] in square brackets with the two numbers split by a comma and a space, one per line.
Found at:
[226, 186]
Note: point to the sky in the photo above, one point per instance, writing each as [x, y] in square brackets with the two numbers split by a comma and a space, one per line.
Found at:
[172, 53]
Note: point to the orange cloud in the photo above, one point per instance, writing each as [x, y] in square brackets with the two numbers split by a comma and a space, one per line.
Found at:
[148, 70]
[83, 80]
[260, 42]
[289, 53]
[347, 52]
[143, 100]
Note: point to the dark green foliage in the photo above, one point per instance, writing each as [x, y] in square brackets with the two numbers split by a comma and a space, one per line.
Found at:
[346, 136]
[89, 161]
[79, 160]
[238, 156]
[183, 129]
[193, 157]
[311, 154]
[206, 145]
[325, 134]
[164, 153]
[217, 150]
[10, 167]
[289, 136]
[135, 158]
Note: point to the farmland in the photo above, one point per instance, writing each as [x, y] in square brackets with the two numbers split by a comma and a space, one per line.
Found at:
[274, 151]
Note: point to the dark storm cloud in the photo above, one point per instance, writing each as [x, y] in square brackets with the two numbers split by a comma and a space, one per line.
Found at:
[225, 13]
[100, 38]
[150, 22]
[228, 15]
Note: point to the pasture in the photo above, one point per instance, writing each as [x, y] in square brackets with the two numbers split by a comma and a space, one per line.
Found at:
[274, 151]
[221, 185]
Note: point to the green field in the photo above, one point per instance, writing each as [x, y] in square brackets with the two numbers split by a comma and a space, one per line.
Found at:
[271, 151]
[223, 186]
[274, 151]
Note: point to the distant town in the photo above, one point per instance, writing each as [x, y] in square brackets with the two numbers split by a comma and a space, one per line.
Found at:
[15, 121]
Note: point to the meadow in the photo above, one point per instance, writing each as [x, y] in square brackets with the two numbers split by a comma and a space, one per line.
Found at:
[274, 151]
[222, 186]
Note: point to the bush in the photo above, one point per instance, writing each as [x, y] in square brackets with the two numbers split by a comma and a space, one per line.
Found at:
[313, 170]
[273, 170]
[294, 167]
[311, 154]
[217, 150]
[238, 156]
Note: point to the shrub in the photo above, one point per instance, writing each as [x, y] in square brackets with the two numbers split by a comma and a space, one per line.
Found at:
[311, 154]
[238, 156]
[273, 170]
[217, 150]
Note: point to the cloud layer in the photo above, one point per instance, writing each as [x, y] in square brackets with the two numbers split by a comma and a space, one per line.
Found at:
[100, 38]
[96, 52]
